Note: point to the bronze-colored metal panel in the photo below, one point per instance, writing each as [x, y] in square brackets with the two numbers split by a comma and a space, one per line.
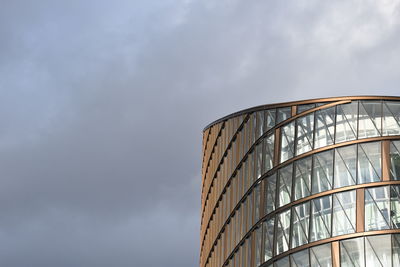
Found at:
[294, 111]
[385, 160]
[335, 254]
[360, 210]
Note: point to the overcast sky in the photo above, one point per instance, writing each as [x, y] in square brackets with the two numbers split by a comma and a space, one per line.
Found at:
[102, 106]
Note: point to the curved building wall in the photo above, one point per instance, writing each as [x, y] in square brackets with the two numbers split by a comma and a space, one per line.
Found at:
[307, 183]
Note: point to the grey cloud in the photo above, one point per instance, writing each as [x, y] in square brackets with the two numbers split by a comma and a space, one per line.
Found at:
[102, 107]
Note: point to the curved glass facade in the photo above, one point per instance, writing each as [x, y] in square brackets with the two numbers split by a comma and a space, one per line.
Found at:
[307, 183]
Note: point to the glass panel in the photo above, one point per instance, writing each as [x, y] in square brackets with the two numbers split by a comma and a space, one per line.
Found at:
[377, 208]
[257, 202]
[369, 162]
[287, 141]
[324, 127]
[346, 122]
[269, 117]
[395, 206]
[249, 254]
[391, 118]
[352, 252]
[258, 239]
[305, 133]
[258, 164]
[302, 186]
[321, 256]
[369, 119]
[260, 123]
[282, 232]
[322, 177]
[395, 160]
[396, 250]
[270, 193]
[283, 114]
[345, 166]
[300, 259]
[321, 209]
[285, 185]
[301, 215]
[284, 262]
[302, 108]
[344, 213]
[378, 251]
[269, 152]
[268, 232]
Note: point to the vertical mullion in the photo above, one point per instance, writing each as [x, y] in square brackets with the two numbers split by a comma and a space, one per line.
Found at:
[335, 250]
[360, 210]
[385, 158]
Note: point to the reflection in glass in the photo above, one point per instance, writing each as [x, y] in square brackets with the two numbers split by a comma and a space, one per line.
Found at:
[369, 119]
[268, 152]
[302, 183]
[395, 206]
[346, 122]
[258, 240]
[305, 133]
[257, 202]
[352, 252]
[258, 160]
[377, 208]
[269, 117]
[270, 193]
[282, 232]
[396, 250]
[378, 251]
[268, 232]
[395, 160]
[285, 185]
[321, 256]
[369, 162]
[283, 114]
[344, 213]
[301, 215]
[322, 178]
[260, 124]
[391, 118]
[321, 209]
[345, 166]
[324, 127]
[302, 108]
[300, 259]
[287, 141]
[284, 262]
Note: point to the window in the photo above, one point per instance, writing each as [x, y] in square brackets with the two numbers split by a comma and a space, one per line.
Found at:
[346, 122]
[287, 141]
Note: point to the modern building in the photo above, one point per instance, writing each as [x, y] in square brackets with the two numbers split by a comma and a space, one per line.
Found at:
[306, 183]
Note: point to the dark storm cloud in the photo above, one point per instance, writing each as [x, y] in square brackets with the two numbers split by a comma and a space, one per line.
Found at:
[102, 107]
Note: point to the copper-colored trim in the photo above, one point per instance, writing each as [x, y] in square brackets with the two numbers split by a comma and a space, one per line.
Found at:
[386, 160]
[300, 102]
[335, 254]
[300, 157]
[360, 210]
[294, 111]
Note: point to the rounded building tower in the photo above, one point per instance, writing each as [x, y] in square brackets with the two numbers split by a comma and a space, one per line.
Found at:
[306, 183]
